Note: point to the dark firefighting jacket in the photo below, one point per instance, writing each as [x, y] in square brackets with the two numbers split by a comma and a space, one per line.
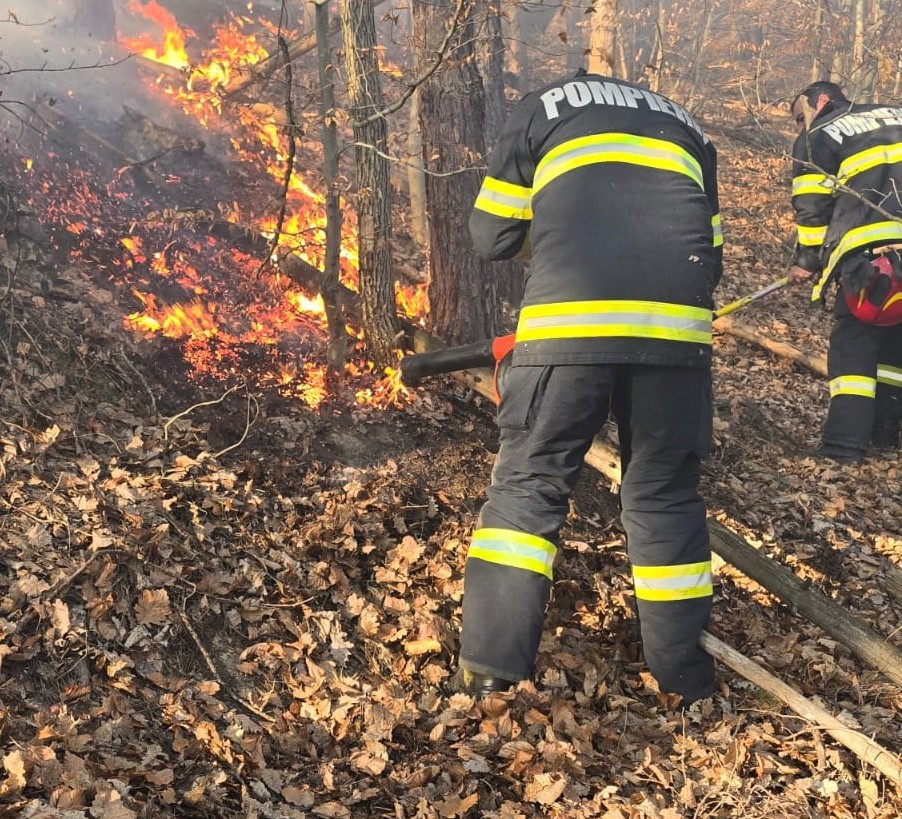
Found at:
[849, 159]
[613, 190]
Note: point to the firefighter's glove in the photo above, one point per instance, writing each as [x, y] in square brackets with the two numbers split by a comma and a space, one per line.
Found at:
[856, 273]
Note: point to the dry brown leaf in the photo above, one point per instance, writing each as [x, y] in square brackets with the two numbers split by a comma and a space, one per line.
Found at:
[14, 765]
[153, 607]
[545, 788]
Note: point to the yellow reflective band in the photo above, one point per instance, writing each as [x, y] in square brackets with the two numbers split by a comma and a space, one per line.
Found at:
[810, 236]
[634, 150]
[504, 199]
[606, 319]
[507, 547]
[812, 183]
[716, 230]
[865, 160]
[889, 375]
[667, 583]
[861, 385]
[866, 235]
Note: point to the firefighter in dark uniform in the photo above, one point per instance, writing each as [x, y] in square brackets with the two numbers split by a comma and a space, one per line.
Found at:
[611, 190]
[847, 197]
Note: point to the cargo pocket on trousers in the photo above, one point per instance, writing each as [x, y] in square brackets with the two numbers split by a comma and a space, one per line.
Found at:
[521, 396]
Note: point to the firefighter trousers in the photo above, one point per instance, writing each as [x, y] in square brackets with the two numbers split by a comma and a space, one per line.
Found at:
[864, 365]
[548, 417]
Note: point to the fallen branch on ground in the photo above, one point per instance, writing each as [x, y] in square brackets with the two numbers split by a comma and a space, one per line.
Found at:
[816, 363]
[866, 749]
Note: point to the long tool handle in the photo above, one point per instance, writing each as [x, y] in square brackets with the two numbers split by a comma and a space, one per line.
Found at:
[739, 303]
[416, 367]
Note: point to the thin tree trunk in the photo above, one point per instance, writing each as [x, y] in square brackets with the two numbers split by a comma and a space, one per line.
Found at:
[463, 302]
[330, 288]
[601, 37]
[377, 292]
[416, 179]
[817, 66]
[509, 279]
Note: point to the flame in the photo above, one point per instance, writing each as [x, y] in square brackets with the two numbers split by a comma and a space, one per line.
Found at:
[172, 51]
[227, 318]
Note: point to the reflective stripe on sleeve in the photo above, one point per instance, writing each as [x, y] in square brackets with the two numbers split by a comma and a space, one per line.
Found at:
[812, 236]
[862, 385]
[866, 235]
[889, 375]
[616, 147]
[507, 547]
[815, 183]
[870, 158]
[680, 582]
[504, 199]
[716, 230]
[629, 319]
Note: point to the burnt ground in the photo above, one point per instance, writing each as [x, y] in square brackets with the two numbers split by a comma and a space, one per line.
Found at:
[227, 604]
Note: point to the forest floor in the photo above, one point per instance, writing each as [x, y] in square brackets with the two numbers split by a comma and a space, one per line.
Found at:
[229, 604]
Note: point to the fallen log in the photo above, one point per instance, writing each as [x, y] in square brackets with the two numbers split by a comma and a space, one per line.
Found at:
[865, 748]
[816, 363]
[780, 581]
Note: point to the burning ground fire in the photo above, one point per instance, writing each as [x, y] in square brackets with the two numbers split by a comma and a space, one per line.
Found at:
[228, 317]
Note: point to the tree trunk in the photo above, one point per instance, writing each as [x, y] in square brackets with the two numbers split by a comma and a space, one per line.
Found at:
[377, 292]
[509, 278]
[416, 179]
[463, 303]
[330, 287]
[817, 65]
[601, 37]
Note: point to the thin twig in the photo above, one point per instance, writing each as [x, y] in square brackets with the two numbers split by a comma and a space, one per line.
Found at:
[211, 666]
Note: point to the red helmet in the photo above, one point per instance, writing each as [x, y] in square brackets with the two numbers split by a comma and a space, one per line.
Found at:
[880, 301]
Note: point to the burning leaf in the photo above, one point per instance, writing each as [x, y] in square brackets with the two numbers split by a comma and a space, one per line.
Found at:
[153, 607]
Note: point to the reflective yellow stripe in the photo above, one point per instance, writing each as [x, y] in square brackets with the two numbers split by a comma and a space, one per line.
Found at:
[812, 183]
[604, 319]
[865, 160]
[504, 199]
[889, 375]
[507, 547]
[858, 237]
[681, 582]
[716, 230]
[616, 147]
[810, 236]
[862, 385]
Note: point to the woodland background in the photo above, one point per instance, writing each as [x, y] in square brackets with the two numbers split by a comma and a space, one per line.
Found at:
[231, 544]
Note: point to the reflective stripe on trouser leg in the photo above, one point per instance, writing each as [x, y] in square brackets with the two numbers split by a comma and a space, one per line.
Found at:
[548, 417]
[665, 520]
[889, 380]
[852, 371]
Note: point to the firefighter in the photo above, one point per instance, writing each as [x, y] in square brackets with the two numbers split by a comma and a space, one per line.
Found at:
[611, 191]
[847, 198]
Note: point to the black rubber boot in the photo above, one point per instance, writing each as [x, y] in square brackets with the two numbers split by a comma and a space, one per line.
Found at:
[464, 681]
